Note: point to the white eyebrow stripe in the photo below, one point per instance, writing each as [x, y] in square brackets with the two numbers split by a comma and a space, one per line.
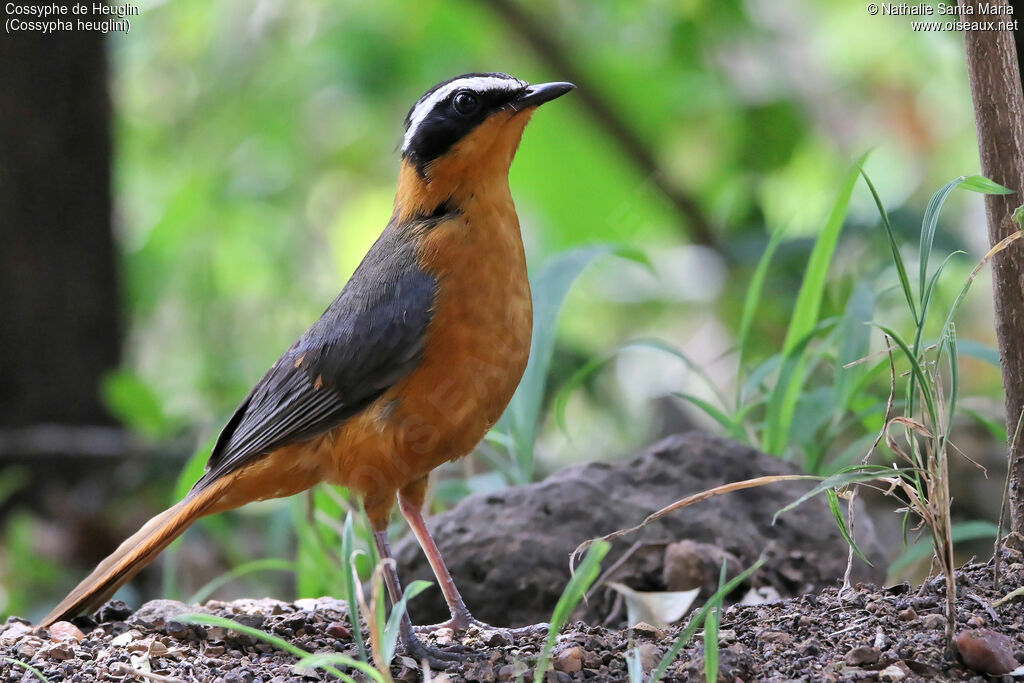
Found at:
[477, 84]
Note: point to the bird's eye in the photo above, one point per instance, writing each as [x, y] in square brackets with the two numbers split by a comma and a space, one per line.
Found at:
[465, 103]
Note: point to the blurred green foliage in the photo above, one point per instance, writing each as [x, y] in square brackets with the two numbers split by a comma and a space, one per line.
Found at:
[256, 162]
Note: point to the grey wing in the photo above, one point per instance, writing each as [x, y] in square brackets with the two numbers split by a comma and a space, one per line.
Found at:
[370, 337]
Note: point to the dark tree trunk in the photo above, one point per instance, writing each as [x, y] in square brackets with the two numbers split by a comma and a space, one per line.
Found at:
[59, 304]
[999, 114]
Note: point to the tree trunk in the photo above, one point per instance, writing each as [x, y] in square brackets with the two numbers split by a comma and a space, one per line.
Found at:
[999, 114]
[59, 304]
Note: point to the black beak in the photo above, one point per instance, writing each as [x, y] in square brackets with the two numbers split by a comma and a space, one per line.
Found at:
[537, 95]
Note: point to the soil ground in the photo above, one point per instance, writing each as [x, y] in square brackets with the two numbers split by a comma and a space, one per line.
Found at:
[866, 634]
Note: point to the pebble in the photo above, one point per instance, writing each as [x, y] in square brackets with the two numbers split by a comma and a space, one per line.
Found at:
[862, 655]
[933, 621]
[986, 651]
[569, 660]
[650, 655]
[339, 630]
[59, 651]
[908, 614]
[894, 672]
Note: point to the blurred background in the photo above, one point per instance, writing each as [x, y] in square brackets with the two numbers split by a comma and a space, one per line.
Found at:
[179, 202]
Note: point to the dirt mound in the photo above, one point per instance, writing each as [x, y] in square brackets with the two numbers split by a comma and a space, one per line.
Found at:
[509, 550]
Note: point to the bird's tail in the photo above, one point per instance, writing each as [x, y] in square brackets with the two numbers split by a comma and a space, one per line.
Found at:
[135, 553]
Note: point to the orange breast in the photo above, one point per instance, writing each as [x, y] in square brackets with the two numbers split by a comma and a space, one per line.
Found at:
[476, 350]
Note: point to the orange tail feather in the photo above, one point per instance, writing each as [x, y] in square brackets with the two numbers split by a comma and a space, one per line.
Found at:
[134, 554]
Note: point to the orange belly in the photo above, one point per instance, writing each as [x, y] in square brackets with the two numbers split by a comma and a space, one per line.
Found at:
[476, 349]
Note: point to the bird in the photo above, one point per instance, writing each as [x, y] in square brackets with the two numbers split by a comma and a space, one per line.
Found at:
[410, 365]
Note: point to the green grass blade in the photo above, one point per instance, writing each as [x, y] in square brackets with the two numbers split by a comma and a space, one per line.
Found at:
[954, 375]
[833, 504]
[961, 531]
[901, 268]
[812, 289]
[698, 619]
[576, 380]
[727, 423]
[915, 368]
[854, 342]
[928, 225]
[784, 396]
[348, 543]
[585, 575]
[805, 315]
[281, 644]
[753, 298]
[845, 477]
[711, 633]
[395, 619]
[550, 287]
[261, 565]
[979, 183]
[28, 667]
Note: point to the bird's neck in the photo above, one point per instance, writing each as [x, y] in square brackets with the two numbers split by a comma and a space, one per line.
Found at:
[474, 170]
[420, 196]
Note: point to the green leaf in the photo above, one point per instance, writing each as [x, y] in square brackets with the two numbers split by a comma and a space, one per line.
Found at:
[284, 645]
[897, 257]
[395, 618]
[833, 504]
[550, 287]
[698, 619]
[349, 579]
[981, 184]
[805, 315]
[730, 425]
[577, 587]
[960, 532]
[784, 396]
[753, 297]
[928, 225]
[854, 338]
[845, 477]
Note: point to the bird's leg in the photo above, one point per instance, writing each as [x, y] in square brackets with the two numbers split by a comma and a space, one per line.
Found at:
[409, 643]
[410, 502]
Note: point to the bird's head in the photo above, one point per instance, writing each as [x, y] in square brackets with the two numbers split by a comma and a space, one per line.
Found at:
[468, 128]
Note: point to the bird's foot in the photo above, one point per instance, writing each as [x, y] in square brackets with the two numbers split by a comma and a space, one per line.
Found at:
[437, 658]
[460, 624]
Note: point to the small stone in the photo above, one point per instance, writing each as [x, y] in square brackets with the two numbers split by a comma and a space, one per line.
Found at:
[894, 672]
[156, 613]
[59, 651]
[27, 650]
[862, 655]
[214, 650]
[178, 630]
[14, 632]
[650, 655]
[497, 638]
[933, 621]
[125, 638]
[689, 564]
[113, 610]
[986, 651]
[775, 637]
[642, 628]
[976, 622]
[339, 630]
[569, 660]
[908, 614]
[63, 630]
